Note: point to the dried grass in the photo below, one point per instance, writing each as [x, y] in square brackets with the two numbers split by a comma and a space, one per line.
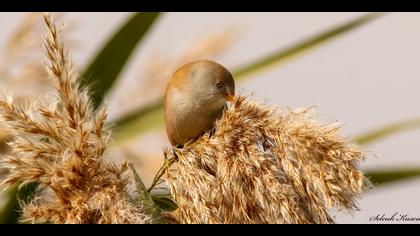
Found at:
[263, 165]
[60, 143]
[4, 136]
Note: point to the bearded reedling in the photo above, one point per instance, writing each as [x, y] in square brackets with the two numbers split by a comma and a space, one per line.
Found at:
[195, 98]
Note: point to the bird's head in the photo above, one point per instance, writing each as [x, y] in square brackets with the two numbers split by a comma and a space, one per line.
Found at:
[208, 82]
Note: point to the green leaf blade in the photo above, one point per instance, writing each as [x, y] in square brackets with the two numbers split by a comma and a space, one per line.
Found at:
[303, 46]
[387, 130]
[380, 177]
[106, 66]
[10, 213]
[145, 198]
[139, 121]
[165, 202]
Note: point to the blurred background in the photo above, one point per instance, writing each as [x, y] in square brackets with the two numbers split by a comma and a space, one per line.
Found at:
[365, 76]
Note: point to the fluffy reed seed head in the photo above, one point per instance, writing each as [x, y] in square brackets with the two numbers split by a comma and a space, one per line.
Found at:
[263, 165]
[60, 143]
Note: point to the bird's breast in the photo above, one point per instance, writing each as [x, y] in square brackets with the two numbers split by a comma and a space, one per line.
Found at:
[189, 118]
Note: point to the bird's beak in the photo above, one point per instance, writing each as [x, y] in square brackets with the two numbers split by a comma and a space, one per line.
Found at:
[230, 97]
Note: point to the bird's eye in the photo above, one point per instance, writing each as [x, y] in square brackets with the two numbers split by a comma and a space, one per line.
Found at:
[219, 85]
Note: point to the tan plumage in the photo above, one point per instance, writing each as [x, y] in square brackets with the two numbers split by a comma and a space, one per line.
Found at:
[195, 97]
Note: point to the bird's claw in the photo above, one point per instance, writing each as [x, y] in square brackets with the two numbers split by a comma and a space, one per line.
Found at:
[174, 151]
[212, 132]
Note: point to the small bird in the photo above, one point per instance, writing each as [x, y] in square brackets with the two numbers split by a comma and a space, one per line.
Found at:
[195, 97]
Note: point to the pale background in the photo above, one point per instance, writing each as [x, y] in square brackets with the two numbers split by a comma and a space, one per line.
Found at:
[364, 79]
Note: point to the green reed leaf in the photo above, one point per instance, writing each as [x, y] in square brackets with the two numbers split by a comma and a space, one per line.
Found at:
[303, 46]
[10, 213]
[387, 130]
[165, 202]
[106, 66]
[379, 177]
[145, 198]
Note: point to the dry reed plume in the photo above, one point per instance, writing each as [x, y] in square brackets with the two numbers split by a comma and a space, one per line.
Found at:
[263, 165]
[60, 143]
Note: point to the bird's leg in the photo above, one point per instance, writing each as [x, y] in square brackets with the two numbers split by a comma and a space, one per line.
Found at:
[212, 131]
[178, 146]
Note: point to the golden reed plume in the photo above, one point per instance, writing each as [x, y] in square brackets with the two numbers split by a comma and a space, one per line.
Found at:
[263, 165]
[60, 143]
